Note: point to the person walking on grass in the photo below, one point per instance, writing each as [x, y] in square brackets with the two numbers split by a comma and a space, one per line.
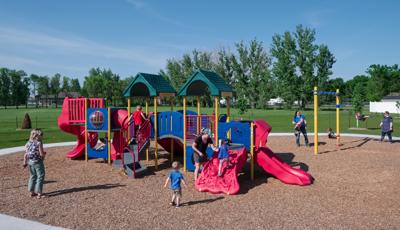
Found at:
[386, 126]
[199, 147]
[300, 127]
[34, 157]
[175, 177]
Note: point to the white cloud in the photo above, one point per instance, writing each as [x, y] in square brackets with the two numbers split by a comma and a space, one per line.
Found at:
[150, 11]
[65, 45]
[317, 18]
[15, 61]
[137, 3]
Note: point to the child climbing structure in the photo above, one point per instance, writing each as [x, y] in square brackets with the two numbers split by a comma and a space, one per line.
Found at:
[175, 131]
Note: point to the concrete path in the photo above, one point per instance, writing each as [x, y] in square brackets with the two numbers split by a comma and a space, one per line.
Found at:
[22, 148]
[14, 223]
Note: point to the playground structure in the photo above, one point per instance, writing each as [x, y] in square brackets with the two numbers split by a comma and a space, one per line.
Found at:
[175, 131]
[338, 106]
[87, 118]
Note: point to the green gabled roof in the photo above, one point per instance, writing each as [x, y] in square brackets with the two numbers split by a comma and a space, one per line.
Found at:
[201, 80]
[148, 85]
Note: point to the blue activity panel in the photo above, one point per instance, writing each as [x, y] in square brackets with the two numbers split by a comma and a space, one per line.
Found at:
[97, 119]
[240, 132]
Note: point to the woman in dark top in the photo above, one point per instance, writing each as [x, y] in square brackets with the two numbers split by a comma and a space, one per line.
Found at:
[199, 146]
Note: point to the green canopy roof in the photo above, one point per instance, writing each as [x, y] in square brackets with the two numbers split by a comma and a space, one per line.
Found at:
[202, 82]
[148, 85]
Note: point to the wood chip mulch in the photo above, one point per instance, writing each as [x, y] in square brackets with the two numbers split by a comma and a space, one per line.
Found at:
[357, 186]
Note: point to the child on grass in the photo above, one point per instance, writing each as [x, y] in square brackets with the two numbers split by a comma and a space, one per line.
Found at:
[223, 155]
[34, 156]
[176, 177]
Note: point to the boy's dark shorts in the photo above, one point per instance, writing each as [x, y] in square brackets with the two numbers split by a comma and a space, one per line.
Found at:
[177, 192]
[199, 159]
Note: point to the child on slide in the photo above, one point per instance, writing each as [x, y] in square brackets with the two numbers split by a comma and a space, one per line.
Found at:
[223, 155]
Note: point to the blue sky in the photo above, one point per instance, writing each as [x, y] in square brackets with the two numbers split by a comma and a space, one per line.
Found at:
[130, 36]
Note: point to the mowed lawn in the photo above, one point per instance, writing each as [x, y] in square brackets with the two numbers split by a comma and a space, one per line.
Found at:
[11, 120]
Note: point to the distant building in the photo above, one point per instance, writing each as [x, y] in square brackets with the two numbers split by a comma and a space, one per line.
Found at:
[388, 103]
[275, 101]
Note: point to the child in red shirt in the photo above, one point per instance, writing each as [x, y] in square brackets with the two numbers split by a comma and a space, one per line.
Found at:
[138, 118]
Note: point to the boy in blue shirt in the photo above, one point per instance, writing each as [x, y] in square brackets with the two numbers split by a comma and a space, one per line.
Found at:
[223, 155]
[176, 177]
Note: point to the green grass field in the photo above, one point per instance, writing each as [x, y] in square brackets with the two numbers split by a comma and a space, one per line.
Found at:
[11, 120]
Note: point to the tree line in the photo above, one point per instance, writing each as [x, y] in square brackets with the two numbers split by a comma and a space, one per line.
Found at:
[289, 68]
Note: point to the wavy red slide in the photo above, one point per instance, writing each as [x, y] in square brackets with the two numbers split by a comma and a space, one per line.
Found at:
[273, 165]
[228, 183]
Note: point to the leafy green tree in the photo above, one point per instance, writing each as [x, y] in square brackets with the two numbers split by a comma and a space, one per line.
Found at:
[350, 84]
[75, 85]
[284, 68]
[34, 79]
[5, 83]
[55, 86]
[43, 89]
[358, 98]
[66, 85]
[383, 80]
[102, 83]
[251, 70]
[305, 60]
[324, 62]
[299, 64]
[17, 87]
[25, 90]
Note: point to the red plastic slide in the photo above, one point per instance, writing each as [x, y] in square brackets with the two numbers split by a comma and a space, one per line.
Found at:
[271, 163]
[79, 131]
[209, 181]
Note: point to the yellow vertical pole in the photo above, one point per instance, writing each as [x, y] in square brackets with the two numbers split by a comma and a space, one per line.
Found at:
[315, 120]
[147, 114]
[129, 116]
[198, 115]
[172, 140]
[228, 114]
[228, 109]
[337, 117]
[109, 137]
[184, 133]
[86, 132]
[216, 119]
[252, 151]
[155, 134]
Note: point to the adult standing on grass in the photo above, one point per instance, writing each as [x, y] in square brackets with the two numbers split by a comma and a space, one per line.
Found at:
[386, 126]
[199, 146]
[33, 158]
[300, 127]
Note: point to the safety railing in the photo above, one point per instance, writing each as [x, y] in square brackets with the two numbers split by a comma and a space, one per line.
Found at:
[143, 135]
[76, 108]
[195, 123]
